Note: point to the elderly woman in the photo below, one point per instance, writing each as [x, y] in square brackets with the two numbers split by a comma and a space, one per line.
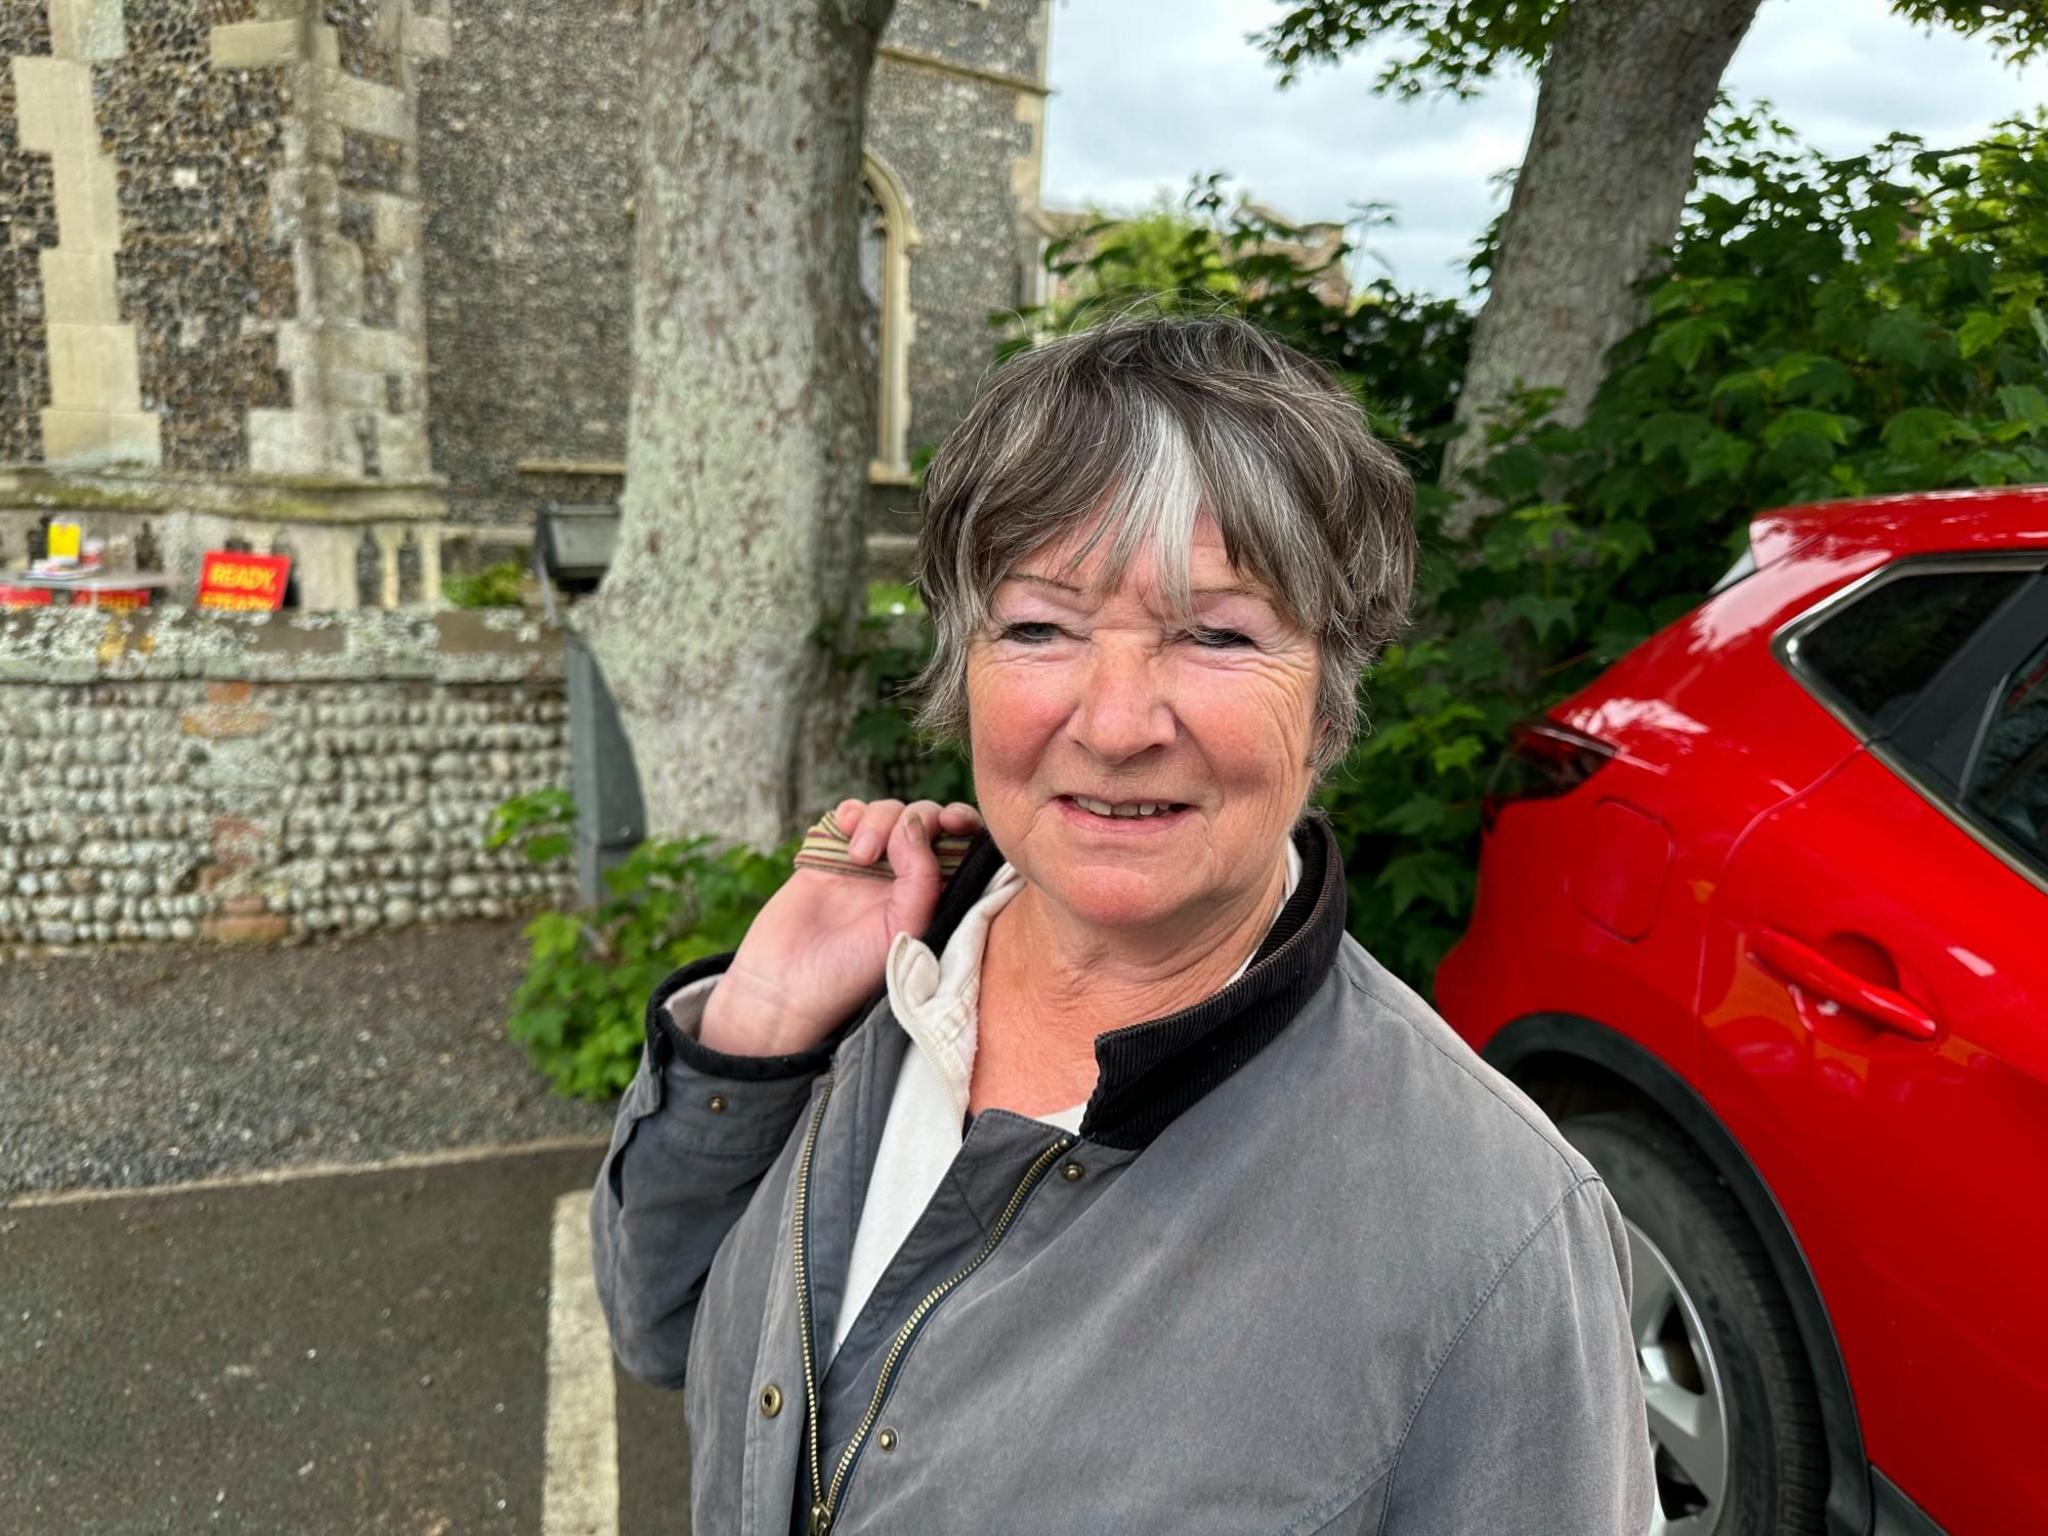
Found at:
[1111, 1186]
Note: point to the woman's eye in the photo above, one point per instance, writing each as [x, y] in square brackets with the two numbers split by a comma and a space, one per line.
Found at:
[1029, 632]
[1218, 639]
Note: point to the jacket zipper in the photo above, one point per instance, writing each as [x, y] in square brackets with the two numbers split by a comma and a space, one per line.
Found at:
[825, 1500]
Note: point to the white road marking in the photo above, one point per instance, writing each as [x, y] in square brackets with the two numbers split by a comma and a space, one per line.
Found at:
[580, 1488]
[449, 1157]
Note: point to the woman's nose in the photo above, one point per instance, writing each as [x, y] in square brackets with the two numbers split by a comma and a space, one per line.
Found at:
[1122, 710]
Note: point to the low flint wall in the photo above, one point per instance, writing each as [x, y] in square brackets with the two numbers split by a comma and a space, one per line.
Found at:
[170, 774]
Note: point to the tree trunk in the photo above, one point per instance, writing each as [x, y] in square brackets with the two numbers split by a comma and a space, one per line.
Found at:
[738, 570]
[1623, 99]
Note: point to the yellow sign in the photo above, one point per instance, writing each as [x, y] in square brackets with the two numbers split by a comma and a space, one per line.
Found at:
[64, 540]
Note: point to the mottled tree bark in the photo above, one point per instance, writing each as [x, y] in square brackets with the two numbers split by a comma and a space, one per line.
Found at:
[1623, 100]
[738, 569]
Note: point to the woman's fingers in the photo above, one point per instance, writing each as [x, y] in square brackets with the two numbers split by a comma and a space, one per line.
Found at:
[876, 825]
[871, 825]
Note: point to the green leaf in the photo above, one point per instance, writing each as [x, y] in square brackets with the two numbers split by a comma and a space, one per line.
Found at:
[2026, 403]
[1788, 369]
[1416, 815]
[1624, 542]
[1803, 422]
[1461, 752]
[1672, 432]
[1920, 431]
[1980, 328]
[1901, 335]
[1717, 455]
[548, 848]
[1415, 876]
[1685, 341]
[1543, 613]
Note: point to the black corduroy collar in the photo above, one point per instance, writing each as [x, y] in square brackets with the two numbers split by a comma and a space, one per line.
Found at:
[1149, 1073]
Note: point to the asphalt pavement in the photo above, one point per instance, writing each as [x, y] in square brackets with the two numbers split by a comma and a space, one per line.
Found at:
[326, 1354]
[291, 1242]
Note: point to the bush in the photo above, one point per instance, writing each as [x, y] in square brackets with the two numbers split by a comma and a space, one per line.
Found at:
[492, 586]
[580, 1011]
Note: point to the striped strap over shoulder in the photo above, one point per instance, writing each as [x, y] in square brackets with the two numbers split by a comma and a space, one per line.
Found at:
[825, 848]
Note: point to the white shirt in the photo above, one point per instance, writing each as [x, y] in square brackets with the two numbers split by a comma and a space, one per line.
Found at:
[936, 998]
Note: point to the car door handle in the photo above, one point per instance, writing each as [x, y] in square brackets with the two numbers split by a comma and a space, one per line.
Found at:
[1807, 967]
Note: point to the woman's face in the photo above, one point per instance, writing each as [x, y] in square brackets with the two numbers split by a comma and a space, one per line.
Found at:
[1084, 702]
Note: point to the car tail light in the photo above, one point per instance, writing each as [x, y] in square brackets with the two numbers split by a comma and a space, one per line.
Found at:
[1543, 760]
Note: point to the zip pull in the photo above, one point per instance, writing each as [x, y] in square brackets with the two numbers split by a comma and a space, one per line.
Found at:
[821, 1518]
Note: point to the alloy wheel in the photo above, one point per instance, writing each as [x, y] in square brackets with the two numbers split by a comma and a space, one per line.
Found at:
[1682, 1388]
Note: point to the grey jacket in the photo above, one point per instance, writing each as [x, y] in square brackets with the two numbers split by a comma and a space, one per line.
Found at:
[1311, 1266]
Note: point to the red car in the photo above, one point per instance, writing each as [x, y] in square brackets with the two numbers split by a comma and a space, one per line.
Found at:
[1762, 923]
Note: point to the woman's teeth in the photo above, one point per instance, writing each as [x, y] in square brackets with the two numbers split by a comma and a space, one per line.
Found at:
[1133, 808]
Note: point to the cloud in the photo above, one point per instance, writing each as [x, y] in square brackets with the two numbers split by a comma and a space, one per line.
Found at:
[1140, 104]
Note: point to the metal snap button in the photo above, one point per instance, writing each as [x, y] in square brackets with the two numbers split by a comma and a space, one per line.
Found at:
[886, 1439]
[716, 1104]
[771, 1401]
[1072, 1172]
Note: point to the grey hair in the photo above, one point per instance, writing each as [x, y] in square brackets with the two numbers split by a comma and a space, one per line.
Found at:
[1147, 422]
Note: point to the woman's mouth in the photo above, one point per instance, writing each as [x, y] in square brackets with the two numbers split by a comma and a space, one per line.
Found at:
[1121, 815]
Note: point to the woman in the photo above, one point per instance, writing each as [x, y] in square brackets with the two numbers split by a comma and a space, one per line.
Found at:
[1114, 1188]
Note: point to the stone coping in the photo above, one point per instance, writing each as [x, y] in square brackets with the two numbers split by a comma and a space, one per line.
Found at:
[273, 498]
[84, 645]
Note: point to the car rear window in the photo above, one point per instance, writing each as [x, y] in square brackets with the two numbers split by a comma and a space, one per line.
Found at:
[1879, 651]
[2008, 782]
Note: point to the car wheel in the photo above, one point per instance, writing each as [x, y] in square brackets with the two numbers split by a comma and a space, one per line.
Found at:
[1734, 1419]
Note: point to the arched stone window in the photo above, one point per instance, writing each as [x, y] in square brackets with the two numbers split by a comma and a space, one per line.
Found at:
[887, 239]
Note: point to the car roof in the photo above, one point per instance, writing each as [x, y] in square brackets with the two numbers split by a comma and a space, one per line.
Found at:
[1909, 523]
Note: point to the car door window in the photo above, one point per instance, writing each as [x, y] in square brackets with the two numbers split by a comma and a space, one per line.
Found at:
[1876, 654]
[2007, 785]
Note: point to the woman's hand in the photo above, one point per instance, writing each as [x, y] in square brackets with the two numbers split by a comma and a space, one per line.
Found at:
[815, 951]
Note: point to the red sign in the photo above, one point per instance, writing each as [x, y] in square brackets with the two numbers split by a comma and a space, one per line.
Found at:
[229, 579]
[115, 599]
[24, 597]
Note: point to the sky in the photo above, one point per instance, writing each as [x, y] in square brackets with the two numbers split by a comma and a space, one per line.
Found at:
[1139, 106]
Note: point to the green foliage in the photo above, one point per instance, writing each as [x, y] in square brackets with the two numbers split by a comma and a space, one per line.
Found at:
[908, 763]
[1402, 355]
[892, 599]
[537, 825]
[2017, 30]
[1162, 250]
[1457, 45]
[1830, 328]
[493, 586]
[580, 1011]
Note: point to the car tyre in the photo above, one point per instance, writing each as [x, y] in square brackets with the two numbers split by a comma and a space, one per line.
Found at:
[1741, 1450]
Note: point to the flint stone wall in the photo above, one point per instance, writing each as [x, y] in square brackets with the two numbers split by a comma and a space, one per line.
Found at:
[170, 774]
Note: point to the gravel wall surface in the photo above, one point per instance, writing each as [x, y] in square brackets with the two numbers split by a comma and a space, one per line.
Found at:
[149, 1064]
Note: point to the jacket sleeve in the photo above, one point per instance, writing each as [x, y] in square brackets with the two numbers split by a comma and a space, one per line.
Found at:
[697, 1129]
[1535, 1419]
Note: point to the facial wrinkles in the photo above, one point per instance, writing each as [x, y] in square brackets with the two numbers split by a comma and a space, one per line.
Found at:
[1222, 728]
